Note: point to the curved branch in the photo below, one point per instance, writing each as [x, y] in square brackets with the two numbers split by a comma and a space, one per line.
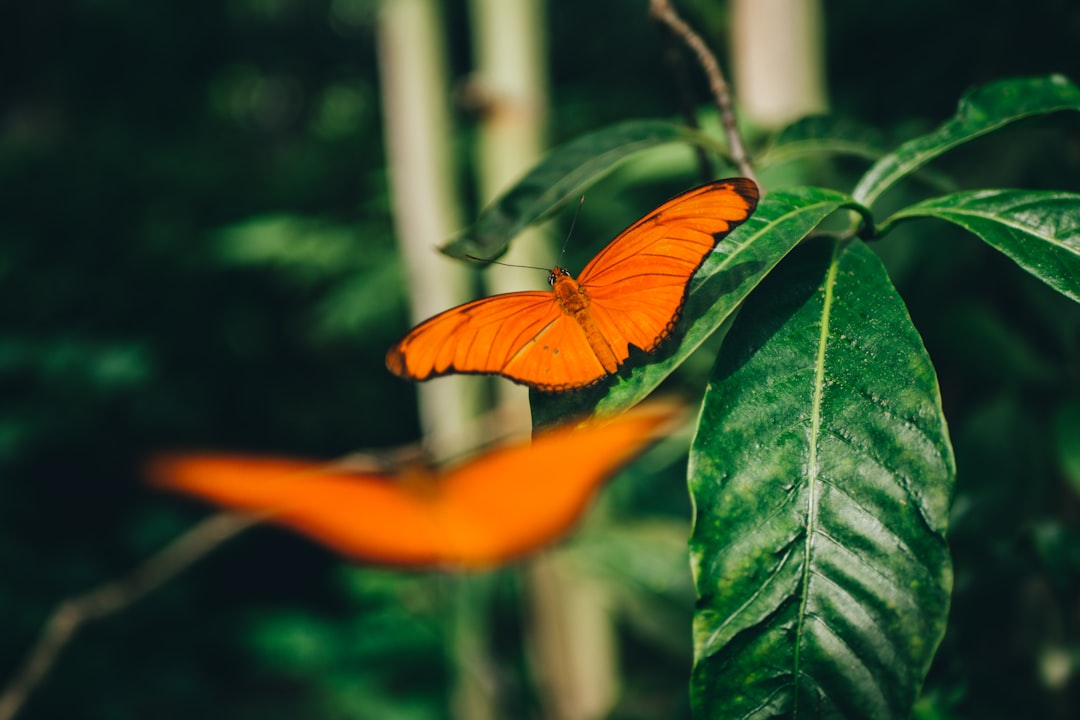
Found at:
[663, 12]
[113, 597]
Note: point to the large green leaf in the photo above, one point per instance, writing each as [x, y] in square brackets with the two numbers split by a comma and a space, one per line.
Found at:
[822, 134]
[829, 134]
[1040, 230]
[734, 268]
[821, 475]
[561, 176]
[978, 113]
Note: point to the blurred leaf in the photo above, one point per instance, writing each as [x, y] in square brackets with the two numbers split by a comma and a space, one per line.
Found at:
[821, 476]
[358, 696]
[1040, 230]
[310, 249]
[1058, 547]
[735, 267]
[296, 642]
[87, 365]
[1067, 440]
[359, 302]
[360, 277]
[561, 177]
[939, 704]
[385, 658]
[647, 554]
[374, 585]
[979, 112]
[643, 562]
[977, 336]
[823, 134]
[997, 447]
[817, 134]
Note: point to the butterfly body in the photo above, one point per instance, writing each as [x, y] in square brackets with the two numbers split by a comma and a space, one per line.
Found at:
[631, 293]
[574, 302]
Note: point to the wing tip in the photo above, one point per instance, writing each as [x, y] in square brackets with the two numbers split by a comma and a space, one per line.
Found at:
[395, 360]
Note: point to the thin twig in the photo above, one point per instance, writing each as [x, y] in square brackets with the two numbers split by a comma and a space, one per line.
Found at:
[111, 598]
[674, 60]
[662, 11]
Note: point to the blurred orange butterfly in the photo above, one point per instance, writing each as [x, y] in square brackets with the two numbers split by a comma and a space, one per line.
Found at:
[631, 293]
[486, 511]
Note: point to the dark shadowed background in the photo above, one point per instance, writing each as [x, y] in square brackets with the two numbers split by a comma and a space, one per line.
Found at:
[197, 250]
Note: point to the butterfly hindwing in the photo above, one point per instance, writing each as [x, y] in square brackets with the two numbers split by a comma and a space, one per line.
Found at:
[487, 510]
[483, 336]
[637, 284]
[631, 293]
[362, 515]
[544, 487]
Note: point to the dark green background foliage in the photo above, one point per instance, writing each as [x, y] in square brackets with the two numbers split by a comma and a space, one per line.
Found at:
[196, 250]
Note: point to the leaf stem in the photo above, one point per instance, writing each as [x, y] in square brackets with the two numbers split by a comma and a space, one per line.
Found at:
[663, 12]
[673, 58]
[113, 597]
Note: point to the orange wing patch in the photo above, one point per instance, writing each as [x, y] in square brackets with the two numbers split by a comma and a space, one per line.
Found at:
[486, 511]
[631, 293]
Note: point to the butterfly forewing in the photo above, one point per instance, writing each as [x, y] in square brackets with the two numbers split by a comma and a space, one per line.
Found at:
[479, 337]
[637, 284]
[544, 487]
[558, 357]
[684, 229]
[489, 509]
[365, 516]
[635, 289]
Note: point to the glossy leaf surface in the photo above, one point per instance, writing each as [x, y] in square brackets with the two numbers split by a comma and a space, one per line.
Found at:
[817, 134]
[1038, 230]
[561, 177]
[736, 266]
[821, 476]
[979, 112]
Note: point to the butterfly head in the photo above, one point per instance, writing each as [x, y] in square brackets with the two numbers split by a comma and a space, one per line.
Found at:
[556, 273]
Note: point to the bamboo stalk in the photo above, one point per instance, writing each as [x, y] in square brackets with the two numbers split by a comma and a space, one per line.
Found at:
[570, 634]
[778, 59]
[427, 212]
[426, 209]
[509, 87]
[110, 598]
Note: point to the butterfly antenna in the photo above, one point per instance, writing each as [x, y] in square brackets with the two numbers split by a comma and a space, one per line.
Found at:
[573, 222]
[496, 262]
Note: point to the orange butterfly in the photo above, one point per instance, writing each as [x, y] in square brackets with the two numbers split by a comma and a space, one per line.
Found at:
[486, 511]
[631, 293]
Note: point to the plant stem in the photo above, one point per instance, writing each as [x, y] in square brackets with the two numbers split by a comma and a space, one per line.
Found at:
[662, 11]
[412, 60]
[112, 597]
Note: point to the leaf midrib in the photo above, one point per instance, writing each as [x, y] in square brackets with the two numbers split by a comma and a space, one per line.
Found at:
[1011, 224]
[812, 469]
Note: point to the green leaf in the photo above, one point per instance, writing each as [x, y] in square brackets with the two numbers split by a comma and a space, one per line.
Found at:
[642, 564]
[822, 134]
[994, 351]
[979, 112]
[1039, 230]
[309, 249]
[734, 268]
[1067, 441]
[560, 177]
[817, 134]
[821, 476]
